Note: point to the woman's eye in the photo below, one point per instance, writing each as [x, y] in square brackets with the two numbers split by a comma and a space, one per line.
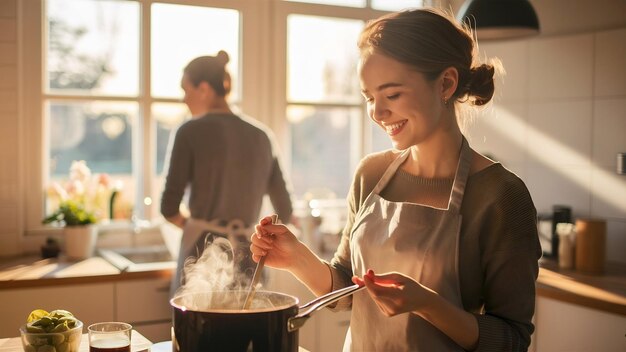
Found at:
[393, 96]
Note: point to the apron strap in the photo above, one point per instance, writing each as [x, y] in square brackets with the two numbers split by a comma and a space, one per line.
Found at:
[460, 178]
[391, 170]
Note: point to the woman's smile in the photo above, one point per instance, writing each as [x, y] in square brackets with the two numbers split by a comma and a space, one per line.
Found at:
[395, 128]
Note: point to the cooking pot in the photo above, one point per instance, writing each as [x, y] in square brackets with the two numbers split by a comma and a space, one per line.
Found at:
[215, 321]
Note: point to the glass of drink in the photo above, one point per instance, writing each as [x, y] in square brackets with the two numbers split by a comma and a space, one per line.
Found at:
[109, 337]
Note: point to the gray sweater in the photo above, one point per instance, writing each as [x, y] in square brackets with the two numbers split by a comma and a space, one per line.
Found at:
[229, 163]
[498, 251]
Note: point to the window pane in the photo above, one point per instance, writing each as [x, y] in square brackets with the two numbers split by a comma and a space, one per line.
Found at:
[180, 33]
[351, 3]
[320, 146]
[100, 133]
[93, 47]
[167, 117]
[396, 5]
[322, 70]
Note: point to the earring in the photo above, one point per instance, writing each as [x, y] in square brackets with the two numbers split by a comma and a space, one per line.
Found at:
[445, 101]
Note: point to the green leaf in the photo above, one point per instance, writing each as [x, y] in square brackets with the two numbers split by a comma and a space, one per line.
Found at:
[71, 213]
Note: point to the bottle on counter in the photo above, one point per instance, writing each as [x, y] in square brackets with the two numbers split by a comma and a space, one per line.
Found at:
[560, 214]
[566, 233]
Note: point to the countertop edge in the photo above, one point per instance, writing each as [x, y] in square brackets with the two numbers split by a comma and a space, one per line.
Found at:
[580, 300]
[83, 280]
[605, 292]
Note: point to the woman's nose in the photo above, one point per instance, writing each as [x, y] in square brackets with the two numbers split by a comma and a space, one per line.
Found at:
[378, 112]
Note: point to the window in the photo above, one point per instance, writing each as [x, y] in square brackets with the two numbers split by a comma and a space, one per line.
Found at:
[110, 89]
[98, 105]
[324, 108]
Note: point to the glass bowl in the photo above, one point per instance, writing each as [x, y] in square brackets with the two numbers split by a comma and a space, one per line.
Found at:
[65, 341]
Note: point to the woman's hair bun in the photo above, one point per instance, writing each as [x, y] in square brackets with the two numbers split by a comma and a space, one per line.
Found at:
[481, 84]
[222, 57]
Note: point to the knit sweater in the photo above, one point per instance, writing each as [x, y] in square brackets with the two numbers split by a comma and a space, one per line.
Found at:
[498, 250]
[230, 163]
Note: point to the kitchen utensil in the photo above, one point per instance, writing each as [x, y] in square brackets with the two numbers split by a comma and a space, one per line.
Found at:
[257, 275]
[222, 326]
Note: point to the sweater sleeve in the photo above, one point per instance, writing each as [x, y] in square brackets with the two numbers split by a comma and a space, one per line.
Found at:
[179, 169]
[511, 250]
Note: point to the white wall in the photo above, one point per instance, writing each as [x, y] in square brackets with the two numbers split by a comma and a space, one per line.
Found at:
[559, 118]
[9, 130]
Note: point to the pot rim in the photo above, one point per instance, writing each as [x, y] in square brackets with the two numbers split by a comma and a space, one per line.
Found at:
[295, 302]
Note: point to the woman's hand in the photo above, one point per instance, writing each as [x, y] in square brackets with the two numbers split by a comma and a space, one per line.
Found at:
[274, 241]
[395, 293]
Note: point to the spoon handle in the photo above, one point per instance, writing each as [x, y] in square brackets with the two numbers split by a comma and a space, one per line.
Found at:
[257, 275]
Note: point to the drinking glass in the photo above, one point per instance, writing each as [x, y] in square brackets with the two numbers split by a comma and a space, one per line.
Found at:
[109, 337]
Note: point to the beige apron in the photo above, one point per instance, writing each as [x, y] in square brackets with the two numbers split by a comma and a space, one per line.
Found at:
[415, 240]
[193, 241]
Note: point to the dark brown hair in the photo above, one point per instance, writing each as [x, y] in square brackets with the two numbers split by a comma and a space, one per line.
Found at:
[431, 41]
[210, 69]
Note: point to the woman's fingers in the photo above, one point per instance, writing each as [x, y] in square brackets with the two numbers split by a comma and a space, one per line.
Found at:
[357, 280]
[394, 293]
[387, 280]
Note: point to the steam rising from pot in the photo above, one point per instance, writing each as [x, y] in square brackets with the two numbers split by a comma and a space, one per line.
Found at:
[217, 268]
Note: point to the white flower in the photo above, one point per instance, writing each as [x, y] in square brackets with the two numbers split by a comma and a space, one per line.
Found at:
[79, 171]
[92, 191]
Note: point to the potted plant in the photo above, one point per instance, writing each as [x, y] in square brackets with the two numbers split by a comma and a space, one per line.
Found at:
[79, 204]
[79, 232]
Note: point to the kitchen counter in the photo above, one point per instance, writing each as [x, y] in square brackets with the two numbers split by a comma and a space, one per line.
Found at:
[138, 343]
[32, 271]
[605, 292]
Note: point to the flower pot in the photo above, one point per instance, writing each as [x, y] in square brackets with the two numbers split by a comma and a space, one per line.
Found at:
[80, 241]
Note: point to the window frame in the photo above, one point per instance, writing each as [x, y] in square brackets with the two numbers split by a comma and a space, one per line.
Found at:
[263, 62]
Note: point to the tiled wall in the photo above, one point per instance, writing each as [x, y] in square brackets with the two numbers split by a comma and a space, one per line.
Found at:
[9, 153]
[559, 120]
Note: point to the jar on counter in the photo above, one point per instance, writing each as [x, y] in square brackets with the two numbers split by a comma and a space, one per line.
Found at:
[566, 234]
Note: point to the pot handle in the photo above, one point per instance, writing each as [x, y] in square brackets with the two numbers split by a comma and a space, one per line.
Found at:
[306, 310]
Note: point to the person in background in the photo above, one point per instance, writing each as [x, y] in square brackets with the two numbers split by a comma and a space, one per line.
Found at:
[443, 238]
[228, 161]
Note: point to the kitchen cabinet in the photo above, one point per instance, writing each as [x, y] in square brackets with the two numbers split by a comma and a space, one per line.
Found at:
[89, 302]
[142, 303]
[567, 327]
[145, 305]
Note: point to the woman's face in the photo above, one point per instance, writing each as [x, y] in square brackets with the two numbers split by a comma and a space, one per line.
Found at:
[195, 96]
[400, 100]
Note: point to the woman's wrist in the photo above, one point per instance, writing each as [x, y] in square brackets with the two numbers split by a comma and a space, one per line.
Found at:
[427, 303]
[301, 259]
[311, 270]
